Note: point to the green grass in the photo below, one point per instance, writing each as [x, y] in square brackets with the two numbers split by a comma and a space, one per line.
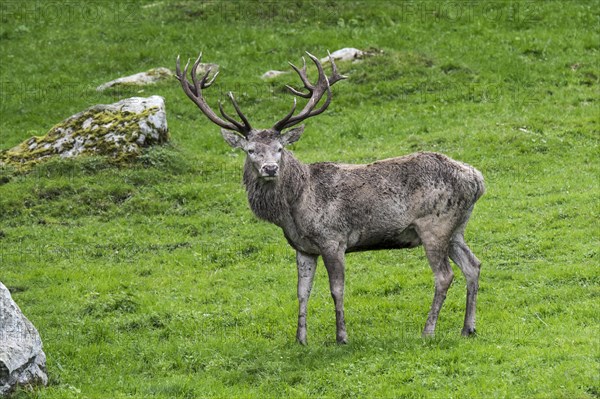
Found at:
[153, 279]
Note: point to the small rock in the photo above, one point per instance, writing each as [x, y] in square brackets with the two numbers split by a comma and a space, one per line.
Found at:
[346, 54]
[152, 5]
[118, 130]
[22, 360]
[139, 79]
[273, 74]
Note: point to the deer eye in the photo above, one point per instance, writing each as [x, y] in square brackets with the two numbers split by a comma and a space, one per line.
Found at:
[279, 149]
[250, 152]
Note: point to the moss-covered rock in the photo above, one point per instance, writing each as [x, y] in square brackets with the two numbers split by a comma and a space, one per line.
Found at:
[118, 130]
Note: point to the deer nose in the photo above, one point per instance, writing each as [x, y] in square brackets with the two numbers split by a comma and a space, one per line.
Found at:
[270, 169]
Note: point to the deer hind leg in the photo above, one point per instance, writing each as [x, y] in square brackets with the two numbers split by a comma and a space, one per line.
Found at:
[307, 264]
[436, 249]
[468, 263]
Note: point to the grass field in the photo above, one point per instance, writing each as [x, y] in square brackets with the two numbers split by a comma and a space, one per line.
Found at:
[153, 279]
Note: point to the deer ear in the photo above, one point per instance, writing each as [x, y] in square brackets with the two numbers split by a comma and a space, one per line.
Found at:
[291, 136]
[233, 139]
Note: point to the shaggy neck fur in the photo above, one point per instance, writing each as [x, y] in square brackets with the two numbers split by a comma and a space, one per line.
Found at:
[273, 200]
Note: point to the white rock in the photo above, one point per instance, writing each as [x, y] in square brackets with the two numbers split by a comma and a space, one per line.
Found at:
[22, 360]
[345, 54]
[273, 74]
[139, 79]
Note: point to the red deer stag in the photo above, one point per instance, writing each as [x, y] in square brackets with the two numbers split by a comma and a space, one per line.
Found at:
[328, 209]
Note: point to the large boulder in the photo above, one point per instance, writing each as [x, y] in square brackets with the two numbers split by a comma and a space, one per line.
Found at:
[22, 360]
[118, 130]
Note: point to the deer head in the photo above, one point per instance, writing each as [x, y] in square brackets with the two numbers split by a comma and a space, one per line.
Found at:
[264, 147]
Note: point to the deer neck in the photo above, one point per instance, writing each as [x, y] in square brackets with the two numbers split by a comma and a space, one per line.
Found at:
[274, 200]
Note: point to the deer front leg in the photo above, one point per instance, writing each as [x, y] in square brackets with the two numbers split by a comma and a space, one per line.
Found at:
[334, 263]
[307, 264]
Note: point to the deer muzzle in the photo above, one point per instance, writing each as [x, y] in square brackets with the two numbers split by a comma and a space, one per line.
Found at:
[269, 170]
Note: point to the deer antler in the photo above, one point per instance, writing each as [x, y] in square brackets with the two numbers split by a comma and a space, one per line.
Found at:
[194, 92]
[314, 94]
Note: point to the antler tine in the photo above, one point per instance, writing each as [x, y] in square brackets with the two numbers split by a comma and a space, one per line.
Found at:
[297, 93]
[181, 76]
[238, 110]
[229, 118]
[279, 126]
[197, 84]
[178, 68]
[319, 67]
[195, 66]
[335, 75]
[194, 92]
[203, 83]
[315, 92]
[210, 82]
[302, 74]
[246, 124]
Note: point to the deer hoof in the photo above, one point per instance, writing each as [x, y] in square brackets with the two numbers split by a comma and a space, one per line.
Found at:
[427, 334]
[343, 340]
[469, 332]
[301, 337]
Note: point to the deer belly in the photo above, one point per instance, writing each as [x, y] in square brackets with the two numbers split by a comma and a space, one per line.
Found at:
[366, 241]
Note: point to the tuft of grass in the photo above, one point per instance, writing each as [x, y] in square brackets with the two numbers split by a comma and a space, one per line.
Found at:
[152, 279]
